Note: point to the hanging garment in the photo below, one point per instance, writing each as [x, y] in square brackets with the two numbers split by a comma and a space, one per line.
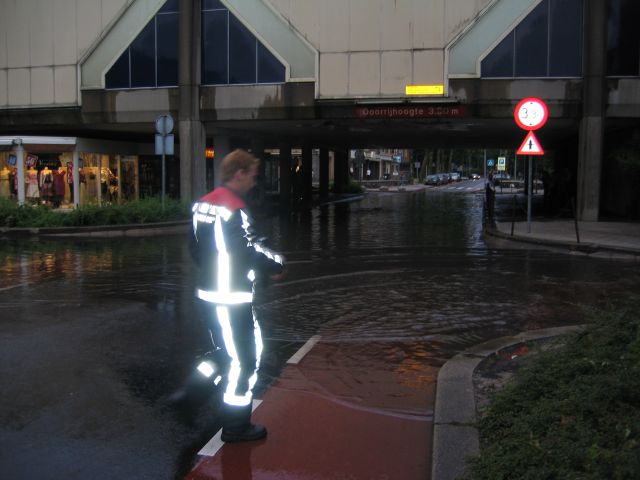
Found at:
[32, 184]
[5, 185]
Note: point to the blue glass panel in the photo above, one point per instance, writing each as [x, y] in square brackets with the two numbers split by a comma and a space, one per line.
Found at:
[499, 63]
[623, 40]
[270, 70]
[565, 29]
[242, 53]
[118, 74]
[167, 39]
[212, 4]
[214, 47]
[143, 54]
[532, 42]
[169, 6]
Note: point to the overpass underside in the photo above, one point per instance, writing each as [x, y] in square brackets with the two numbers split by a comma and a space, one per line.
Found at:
[477, 114]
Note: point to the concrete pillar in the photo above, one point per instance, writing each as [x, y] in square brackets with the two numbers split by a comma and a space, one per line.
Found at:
[222, 147]
[285, 173]
[307, 179]
[19, 149]
[257, 148]
[592, 122]
[324, 173]
[341, 172]
[191, 129]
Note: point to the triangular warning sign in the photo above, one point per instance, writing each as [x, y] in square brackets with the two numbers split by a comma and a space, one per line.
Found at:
[530, 146]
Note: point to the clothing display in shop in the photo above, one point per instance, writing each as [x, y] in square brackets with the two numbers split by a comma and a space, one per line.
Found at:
[46, 183]
[70, 180]
[5, 185]
[59, 187]
[31, 180]
[14, 182]
[92, 182]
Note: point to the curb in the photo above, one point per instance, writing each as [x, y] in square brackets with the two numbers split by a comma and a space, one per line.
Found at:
[455, 436]
[586, 248]
[104, 231]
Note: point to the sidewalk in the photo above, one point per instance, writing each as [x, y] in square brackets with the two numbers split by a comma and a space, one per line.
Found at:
[603, 239]
[335, 412]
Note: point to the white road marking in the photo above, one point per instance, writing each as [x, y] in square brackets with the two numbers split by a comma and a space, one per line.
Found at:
[216, 443]
[299, 355]
[14, 286]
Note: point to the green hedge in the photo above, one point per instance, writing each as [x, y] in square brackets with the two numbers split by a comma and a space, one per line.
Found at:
[573, 413]
[148, 210]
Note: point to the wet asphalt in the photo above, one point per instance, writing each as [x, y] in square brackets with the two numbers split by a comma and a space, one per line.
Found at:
[96, 336]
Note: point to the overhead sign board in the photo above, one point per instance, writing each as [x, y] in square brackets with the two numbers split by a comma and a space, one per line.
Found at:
[531, 113]
[411, 111]
[530, 146]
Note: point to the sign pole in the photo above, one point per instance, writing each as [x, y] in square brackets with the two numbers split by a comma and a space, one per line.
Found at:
[529, 193]
[164, 146]
[163, 175]
[530, 114]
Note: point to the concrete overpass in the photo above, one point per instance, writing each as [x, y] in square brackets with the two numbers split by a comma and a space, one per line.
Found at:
[349, 91]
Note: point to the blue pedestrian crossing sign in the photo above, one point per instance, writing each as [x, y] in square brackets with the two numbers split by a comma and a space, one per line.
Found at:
[491, 162]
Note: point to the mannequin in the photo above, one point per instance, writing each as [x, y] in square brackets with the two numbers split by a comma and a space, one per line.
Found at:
[59, 187]
[5, 190]
[70, 180]
[46, 183]
[31, 180]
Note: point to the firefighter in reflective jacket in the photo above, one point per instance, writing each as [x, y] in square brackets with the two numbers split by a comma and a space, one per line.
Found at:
[230, 257]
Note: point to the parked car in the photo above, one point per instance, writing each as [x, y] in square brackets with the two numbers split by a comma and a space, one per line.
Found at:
[444, 178]
[432, 180]
[501, 178]
[455, 176]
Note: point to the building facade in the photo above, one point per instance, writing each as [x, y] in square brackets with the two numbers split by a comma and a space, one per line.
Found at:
[330, 76]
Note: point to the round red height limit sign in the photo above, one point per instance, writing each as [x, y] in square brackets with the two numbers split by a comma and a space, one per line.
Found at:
[531, 113]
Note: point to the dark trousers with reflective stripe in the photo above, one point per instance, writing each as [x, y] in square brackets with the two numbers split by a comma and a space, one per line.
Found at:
[242, 341]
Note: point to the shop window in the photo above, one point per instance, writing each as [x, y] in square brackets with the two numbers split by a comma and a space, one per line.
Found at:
[231, 54]
[546, 43]
[152, 58]
[623, 42]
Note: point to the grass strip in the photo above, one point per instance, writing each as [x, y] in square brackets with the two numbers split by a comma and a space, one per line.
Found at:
[147, 210]
[574, 412]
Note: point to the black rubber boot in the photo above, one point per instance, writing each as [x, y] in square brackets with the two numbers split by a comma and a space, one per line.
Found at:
[237, 426]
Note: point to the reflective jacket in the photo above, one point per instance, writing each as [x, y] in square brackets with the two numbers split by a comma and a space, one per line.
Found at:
[227, 249]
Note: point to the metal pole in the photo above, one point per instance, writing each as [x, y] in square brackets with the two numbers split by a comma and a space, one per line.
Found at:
[529, 194]
[20, 172]
[163, 172]
[485, 163]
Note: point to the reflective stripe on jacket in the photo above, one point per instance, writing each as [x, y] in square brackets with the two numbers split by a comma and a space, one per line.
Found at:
[226, 249]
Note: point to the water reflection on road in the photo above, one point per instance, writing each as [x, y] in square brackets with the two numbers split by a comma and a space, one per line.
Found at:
[95, 334]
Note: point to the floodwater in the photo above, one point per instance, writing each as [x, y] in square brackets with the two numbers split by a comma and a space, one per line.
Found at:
[95, 335]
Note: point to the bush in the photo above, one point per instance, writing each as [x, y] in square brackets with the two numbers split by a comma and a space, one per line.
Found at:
[148, 210]
[573, 413]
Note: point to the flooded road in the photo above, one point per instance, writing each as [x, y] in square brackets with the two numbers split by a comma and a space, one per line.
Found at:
[96, 335]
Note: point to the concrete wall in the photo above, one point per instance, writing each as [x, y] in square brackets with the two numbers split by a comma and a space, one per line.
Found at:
[377, 47]
[365, 48]
[41, 42]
